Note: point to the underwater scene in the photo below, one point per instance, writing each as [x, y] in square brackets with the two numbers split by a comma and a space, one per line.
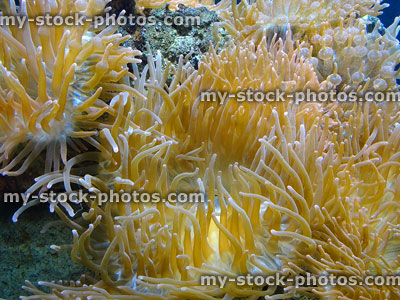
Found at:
[199, 149]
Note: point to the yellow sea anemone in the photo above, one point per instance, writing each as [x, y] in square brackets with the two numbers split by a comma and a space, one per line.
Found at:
[335, 40]
[289, 203]
[291, 187]
[250, 16]
[54, 83]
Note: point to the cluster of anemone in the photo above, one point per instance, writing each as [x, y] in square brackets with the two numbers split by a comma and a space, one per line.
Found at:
[55, 83]
[292, 188]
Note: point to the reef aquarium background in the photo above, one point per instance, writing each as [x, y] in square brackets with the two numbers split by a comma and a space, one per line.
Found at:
[199, 150]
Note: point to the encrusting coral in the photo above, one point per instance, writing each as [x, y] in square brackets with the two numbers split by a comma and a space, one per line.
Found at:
[142, 4]
[291, 187]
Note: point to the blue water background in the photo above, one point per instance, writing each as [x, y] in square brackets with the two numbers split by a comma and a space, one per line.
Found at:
[390, 13]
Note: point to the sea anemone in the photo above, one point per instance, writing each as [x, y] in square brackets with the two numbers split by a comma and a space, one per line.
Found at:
[336, 41]
[292, 188]
[54, 84]
[289, 203]
[250, 16]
